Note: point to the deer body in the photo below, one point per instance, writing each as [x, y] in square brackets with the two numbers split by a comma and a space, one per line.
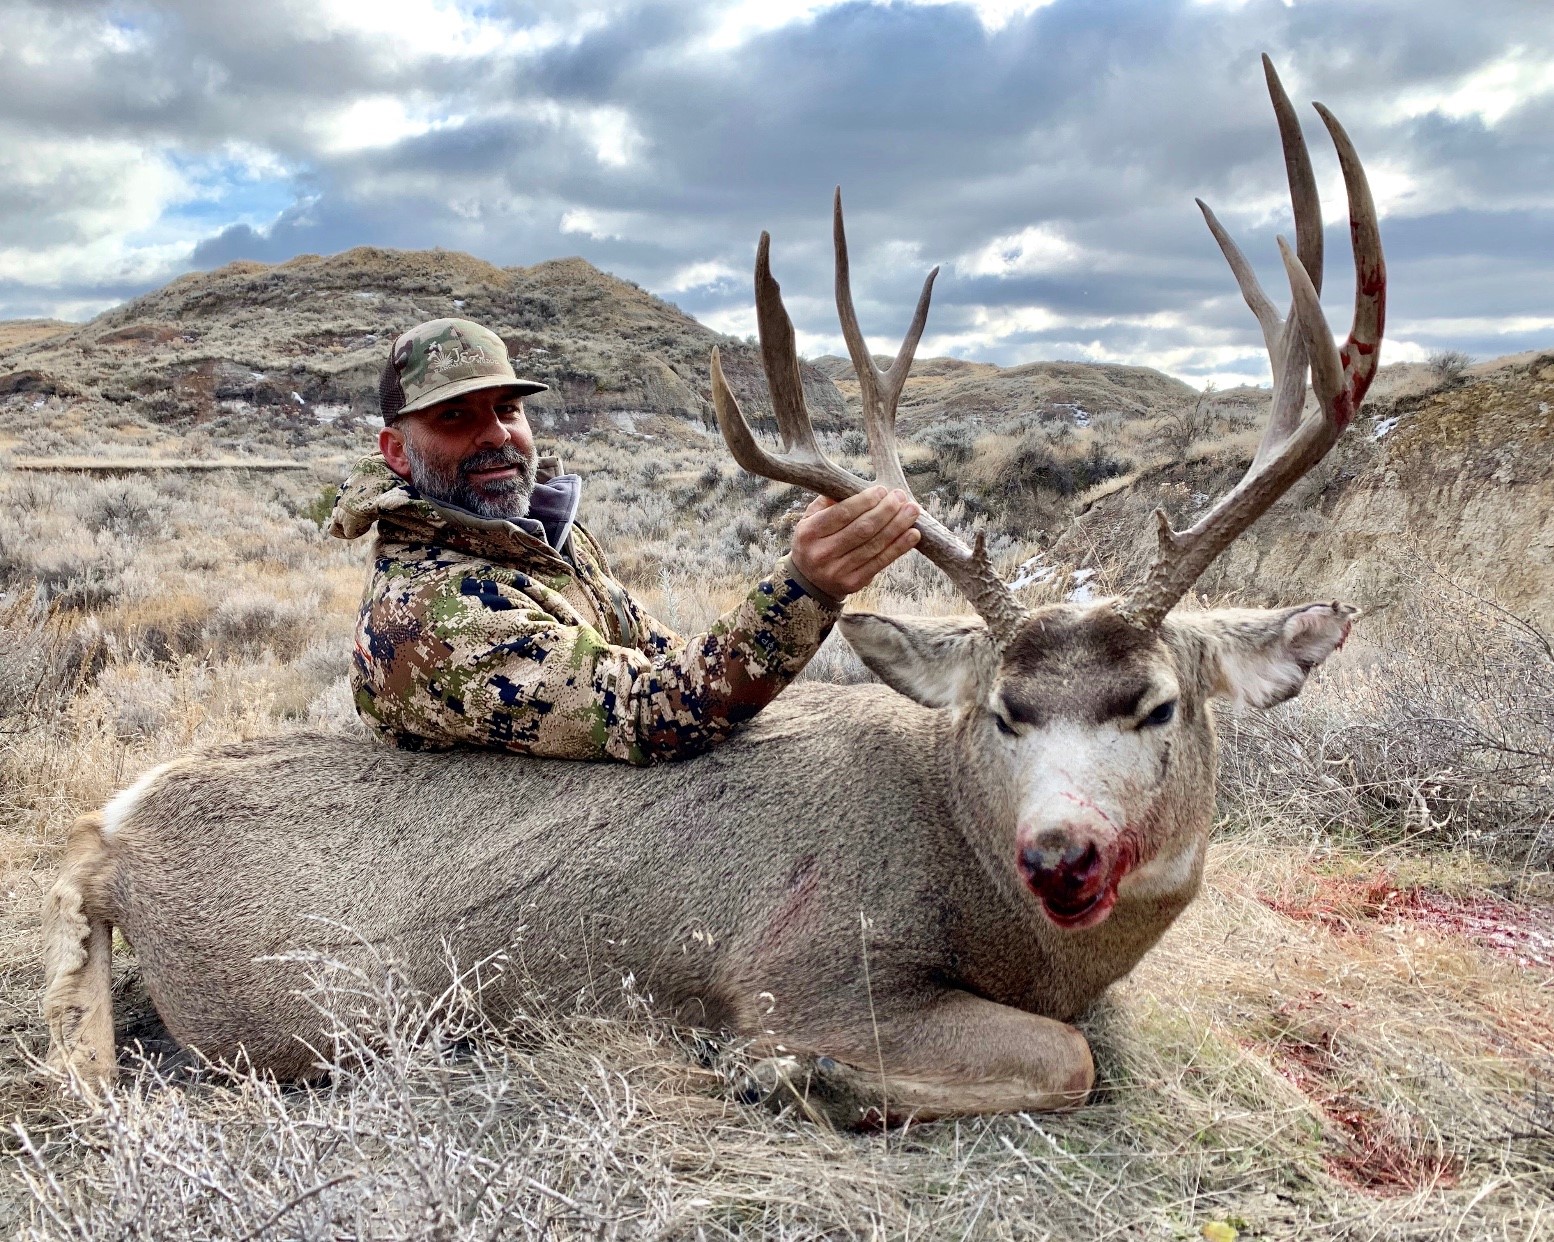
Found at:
[912, 889]
[832, 877]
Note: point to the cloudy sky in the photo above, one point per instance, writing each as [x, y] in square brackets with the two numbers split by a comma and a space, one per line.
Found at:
[1044, 152]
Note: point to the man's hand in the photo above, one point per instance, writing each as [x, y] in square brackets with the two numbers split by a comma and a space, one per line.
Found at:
[840, 546]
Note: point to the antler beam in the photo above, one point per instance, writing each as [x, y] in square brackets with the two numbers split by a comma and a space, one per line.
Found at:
[803, 463]
[1291, 444]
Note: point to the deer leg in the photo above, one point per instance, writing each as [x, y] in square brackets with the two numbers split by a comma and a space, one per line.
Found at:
[960, 1056]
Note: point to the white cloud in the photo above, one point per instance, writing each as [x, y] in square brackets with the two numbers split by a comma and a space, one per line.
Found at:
[100, 193]
[615, 138]
[1490, 92]
[601, 226]
[744, 20]
[421, 29]
[702, 275]
[369, 122]
[1033, 250]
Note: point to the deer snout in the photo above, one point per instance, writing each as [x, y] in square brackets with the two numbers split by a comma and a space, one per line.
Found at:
[1070, 872]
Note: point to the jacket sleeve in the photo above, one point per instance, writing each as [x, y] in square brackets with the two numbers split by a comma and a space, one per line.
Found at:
[473, 661]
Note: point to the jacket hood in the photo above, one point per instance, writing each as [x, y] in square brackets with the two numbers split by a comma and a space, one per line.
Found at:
[374, 493]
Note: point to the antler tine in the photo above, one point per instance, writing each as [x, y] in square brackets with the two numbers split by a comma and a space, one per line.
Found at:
[815, 473]
[1290, 445]
[803, 463]
[878, 392]
[1302, 178]
[1361, 352]
[780, 358]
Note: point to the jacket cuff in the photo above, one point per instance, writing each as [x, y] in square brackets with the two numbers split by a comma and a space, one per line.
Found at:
[786, 568]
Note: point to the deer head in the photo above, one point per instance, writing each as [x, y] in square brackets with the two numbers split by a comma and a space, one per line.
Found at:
[1084, 732]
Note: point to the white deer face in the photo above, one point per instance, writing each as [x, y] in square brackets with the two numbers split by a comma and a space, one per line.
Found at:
[1091, 738]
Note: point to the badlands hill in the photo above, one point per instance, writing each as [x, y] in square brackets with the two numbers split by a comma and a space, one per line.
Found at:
[283, 357]
[998, 398]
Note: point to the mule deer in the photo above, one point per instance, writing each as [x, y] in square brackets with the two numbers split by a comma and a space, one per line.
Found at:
[913, 887]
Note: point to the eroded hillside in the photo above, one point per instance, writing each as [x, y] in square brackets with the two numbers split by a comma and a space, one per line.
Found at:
[1446, 476]
[287, 356]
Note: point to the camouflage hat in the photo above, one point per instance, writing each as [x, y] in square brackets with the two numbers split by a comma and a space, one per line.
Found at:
[443, 359]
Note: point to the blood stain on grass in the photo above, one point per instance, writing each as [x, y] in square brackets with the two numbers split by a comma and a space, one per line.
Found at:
[1376, 1152]
[1521, 932]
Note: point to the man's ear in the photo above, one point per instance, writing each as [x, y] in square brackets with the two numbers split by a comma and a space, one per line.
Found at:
[1259, 656]
[391, 443]
[937, 662]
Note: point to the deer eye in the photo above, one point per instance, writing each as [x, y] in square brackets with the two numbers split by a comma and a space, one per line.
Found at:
[1004, 727]
[1163, 714]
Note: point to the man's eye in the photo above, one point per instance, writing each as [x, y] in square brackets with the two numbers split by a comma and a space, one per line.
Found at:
[1161, 715]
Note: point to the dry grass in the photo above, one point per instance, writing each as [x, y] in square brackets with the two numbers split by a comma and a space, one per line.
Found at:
[1350, 1035]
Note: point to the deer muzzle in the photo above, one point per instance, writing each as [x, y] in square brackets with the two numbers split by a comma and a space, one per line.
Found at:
[1073, 874]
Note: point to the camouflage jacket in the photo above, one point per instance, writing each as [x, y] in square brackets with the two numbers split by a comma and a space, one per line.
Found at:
[474, 632]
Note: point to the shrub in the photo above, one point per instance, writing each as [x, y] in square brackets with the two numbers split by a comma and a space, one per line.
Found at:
[952, 443]
[1445, 735]
[130, 508]
[1447, 365]
[250, 623]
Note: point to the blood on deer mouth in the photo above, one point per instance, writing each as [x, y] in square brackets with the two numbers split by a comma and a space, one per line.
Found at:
[1080, 892]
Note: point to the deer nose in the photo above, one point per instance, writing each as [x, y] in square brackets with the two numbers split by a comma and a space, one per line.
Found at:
[1065, 869]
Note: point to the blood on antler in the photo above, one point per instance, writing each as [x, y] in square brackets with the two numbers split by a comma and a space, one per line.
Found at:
[1290, 444]
[804, 464]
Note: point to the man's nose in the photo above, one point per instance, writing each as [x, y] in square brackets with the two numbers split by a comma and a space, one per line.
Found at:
[494, 433]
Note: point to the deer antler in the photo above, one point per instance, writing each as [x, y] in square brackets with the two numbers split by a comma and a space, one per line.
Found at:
[804, 464]
[1290, 445]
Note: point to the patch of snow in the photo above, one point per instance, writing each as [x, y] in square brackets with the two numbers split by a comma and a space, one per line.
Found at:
[1383, 426]
[367, 295]
[1032, 573]
[1081, 417]
[1543, 407]
[38, 404]
[1082, 592]
[329, 413]
[458, 303]
[297, 397]
[257, 374]
[372, 420]
[1199, 499]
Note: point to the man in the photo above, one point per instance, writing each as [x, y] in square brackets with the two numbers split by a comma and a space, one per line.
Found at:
[492, 619]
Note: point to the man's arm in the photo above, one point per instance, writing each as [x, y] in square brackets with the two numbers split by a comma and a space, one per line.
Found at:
[454, 660]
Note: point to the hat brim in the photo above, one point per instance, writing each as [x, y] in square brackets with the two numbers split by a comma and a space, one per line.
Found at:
[518, 387]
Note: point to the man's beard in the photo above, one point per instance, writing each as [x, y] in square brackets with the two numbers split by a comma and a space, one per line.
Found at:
[500, 498]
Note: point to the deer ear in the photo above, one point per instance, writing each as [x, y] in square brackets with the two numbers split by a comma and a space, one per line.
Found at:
[1260, 657]
[935, 662]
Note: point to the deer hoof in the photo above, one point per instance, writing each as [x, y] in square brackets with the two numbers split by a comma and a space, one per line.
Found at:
[821, 1089]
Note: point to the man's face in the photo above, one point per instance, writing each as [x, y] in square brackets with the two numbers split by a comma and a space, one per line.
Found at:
[475, 451]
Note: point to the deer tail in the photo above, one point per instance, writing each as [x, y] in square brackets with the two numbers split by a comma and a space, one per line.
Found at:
[78, 962]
